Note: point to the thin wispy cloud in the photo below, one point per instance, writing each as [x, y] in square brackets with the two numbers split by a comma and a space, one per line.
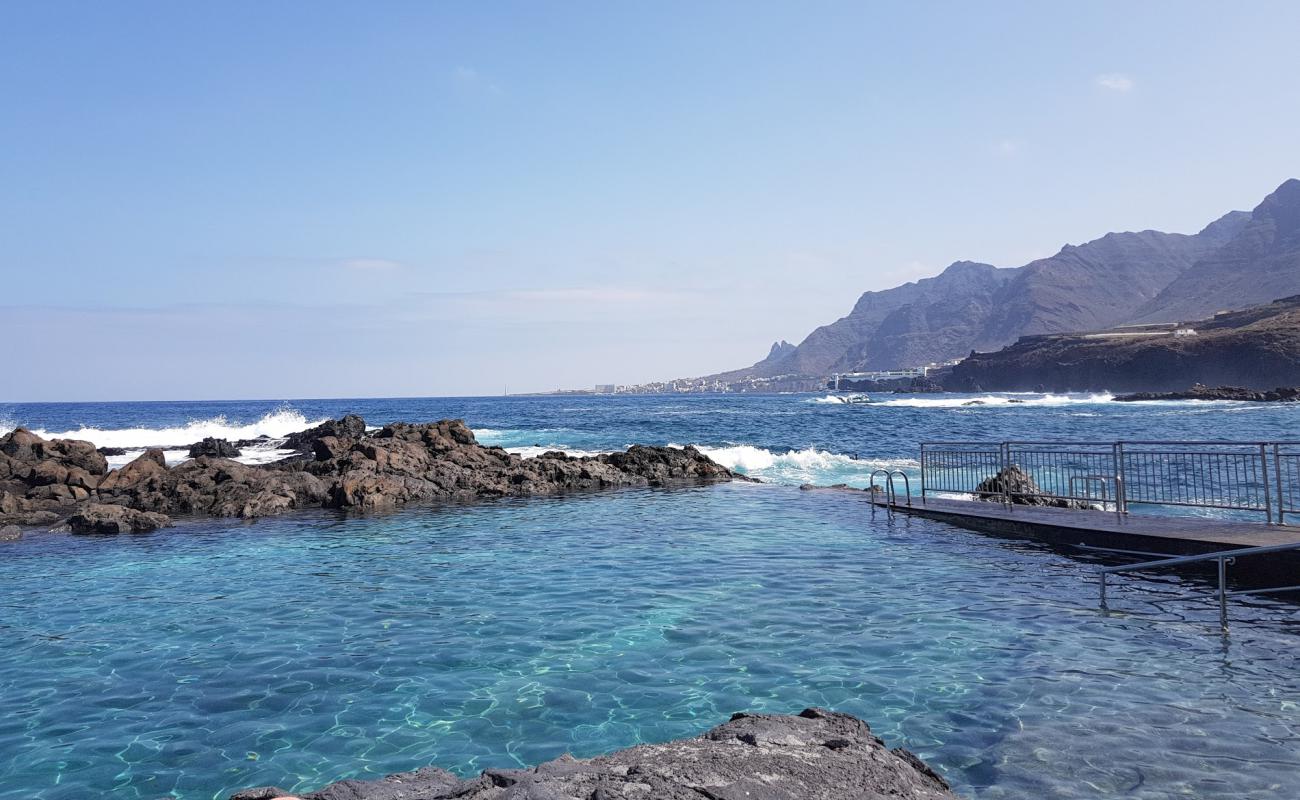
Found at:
[1007, 147]
[599, 294]
[1115, 82]
[468, 79]
[371, 264]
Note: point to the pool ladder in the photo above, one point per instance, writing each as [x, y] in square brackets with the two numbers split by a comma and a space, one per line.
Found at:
[891, 495]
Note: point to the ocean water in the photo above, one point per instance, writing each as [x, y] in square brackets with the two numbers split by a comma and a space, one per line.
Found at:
[793, 439]
[301, 650]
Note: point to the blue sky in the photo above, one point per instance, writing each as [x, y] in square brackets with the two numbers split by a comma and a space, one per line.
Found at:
[361, 199]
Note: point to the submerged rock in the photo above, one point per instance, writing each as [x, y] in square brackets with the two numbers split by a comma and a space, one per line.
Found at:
[815, 755]
[10, 533]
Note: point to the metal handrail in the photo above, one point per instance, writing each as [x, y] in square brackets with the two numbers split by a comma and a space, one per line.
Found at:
[1253, 477]
[891, 495]
[1284, 497]
[1223, 557]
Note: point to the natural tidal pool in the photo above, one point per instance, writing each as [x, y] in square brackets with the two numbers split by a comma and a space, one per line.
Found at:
[298, 651]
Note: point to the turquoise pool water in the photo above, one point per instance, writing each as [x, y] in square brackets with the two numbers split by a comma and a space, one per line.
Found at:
[300, 651]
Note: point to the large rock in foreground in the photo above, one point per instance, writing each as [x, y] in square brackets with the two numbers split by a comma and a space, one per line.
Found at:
[816, 755]
[340, 465]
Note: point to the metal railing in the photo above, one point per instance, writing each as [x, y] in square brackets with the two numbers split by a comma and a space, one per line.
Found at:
[1286, 460]
[1251, 477]
[1224, 559]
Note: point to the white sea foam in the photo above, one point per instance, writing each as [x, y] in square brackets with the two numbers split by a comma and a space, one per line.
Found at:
[532, 451]
[998, 400]
[275, 425]
[248, 455]
[841, 399]
[809, 465]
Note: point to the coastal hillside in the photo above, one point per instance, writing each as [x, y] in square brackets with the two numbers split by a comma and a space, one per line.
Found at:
[948, 306]
[1239, 260]
[1257, 348]
[1261, 262]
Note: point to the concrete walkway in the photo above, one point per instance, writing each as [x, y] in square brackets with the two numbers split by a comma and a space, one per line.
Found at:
[1159, 535]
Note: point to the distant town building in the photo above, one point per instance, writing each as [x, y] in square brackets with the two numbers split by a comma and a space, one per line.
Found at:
[1184, 332]
[880, 375]
[605, 388]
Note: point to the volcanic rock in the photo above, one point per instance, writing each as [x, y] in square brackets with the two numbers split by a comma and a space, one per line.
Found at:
[1256, 348]
[211, 446]
[1022, 488]
[1200, 391]
[815, 755]
[340, 465]
[10, 533]
[100, 518]
[350, 427]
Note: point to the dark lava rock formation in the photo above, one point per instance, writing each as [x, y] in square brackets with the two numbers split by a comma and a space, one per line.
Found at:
[340, 465]
[1202, 392]
[1017, 484]
[210, 446]
[816, 755]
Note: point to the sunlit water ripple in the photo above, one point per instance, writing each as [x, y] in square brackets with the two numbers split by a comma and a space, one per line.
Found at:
[301, 650]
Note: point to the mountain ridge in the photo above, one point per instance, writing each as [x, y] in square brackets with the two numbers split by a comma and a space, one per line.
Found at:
[1238, 260]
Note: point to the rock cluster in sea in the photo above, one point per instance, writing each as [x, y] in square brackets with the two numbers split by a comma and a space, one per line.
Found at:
[340, 465]
[815, 755]
[1200, 391]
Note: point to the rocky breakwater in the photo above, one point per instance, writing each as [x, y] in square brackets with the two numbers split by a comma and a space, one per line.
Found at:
[815, 755]
[1200, 391]
[339, 465]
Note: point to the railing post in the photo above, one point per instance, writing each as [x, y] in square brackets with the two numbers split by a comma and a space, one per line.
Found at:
[922, 474]
[1223, 595]
[1268, 500]
[1277, 473]
[1121, 484]
[1006, 485]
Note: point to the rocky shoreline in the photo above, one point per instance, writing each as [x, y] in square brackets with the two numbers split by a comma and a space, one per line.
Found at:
[1201, 392]
[339, 465]
[814, 755]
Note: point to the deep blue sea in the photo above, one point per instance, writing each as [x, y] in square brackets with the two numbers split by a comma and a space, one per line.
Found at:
[300, 650]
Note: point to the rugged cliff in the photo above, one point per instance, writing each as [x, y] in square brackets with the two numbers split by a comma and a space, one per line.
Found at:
[1257, 348]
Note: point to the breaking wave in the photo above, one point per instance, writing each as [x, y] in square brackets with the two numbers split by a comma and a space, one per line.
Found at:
[999, 400]
[274, 425]
[532, 451]
[809, 465]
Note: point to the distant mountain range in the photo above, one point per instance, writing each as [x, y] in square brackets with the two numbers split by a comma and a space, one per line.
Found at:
[1241, 259]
